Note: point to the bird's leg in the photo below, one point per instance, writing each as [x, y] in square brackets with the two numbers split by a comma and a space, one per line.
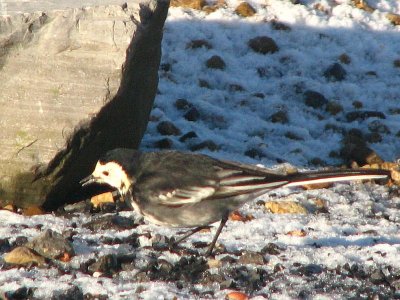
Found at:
[189, 233]
[220, 227]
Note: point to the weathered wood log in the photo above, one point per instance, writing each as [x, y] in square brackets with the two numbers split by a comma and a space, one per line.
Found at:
[121, 122]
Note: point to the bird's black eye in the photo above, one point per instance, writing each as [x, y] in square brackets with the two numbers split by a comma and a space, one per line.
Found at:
[105, 173]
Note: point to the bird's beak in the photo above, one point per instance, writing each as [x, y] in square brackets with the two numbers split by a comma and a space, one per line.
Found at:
[88, 180]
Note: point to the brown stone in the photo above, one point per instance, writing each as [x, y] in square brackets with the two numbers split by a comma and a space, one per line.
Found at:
[194, 4]
[236, 296]
[285, 207]
[394, 18]
[23, 256]
[245, 10]
[32, 211]
[344, 58]
[102, 199]
[362, 4]
[317, 186]
[298, 233]
[237, 216]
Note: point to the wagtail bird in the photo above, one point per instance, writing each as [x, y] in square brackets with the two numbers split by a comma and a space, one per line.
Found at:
[178, 189]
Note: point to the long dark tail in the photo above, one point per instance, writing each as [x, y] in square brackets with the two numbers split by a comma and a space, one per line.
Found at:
[314, 177]
[240, 182]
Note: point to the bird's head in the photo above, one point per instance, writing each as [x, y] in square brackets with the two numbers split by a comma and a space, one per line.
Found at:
[109, 170]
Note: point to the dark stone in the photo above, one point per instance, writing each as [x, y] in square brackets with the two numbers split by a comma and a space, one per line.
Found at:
[262, 72]
[78, 207]
[69, 234]
[107, 264]
[215, 62]
[357, 104]
[20, 293]
[292, 136]
[109, 222]
[204, 83]
[247, 278]
[314, 99]
[164, 266]
[123, 222]
[203, 145]
[254, 153]
[333, 108]
[161, 242]
[187, 269]
[355, 149]
[51, 244]
[183, 104]
[272, 249]
[187, 136]
[192, 114]
[260, 202]
[142, 277]
[72, 293]
[316, 161]
[309, 270]
[371, 73]
[394, 111]
[303, 294]
[259, 95]
[108, 207]
[276, 25]
[345, 59]
[279, 117]
[377, 277]
[378, 127]
[278, 268]
[263, 45]
[335, 72]
[228, 260]
[200, 244]
[168, 128]
[89, 296]
[373, 137]
[236, 88]
[195, 44]
[132, 239]
[166, 67]
[19, 241]
[210, 279]
[363, 115]
[165, 143]
[395, 284]
[4, 245]
[334, 128]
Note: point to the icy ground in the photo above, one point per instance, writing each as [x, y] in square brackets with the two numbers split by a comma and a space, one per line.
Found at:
[350, 250]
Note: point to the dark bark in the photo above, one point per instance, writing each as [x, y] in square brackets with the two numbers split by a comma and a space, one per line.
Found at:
[121, 122]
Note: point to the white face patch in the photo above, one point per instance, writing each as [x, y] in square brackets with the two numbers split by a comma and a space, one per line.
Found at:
[112, 174]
